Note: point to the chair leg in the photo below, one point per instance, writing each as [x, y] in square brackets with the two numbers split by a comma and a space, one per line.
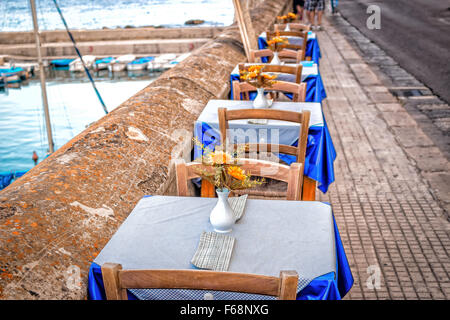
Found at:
[309, 189]
[207, 190]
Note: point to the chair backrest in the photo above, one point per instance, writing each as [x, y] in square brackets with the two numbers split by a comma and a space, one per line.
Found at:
[289, 52]
[298, 34]
[273, 34]
[292, 175]
[117, 281]
[297, 89]
[294, 70]
[302, 118]
[294, 26]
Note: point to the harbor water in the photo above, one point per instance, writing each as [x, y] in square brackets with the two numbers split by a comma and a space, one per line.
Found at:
[73, 105]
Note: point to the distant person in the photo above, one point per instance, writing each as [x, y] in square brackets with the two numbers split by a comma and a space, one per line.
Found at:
[334, 4]
[313, 6]
[298, 8]
[35, 157]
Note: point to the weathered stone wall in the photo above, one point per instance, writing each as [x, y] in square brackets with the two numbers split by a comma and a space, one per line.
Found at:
[24, 37]
[56, 218]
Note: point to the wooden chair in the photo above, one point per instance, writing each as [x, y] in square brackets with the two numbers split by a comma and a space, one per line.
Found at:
[294, 26]
[292, 175]
[297, 89]
[302, 118]
[294, 70]
[117, 281]
[291, 53]
[298, 34]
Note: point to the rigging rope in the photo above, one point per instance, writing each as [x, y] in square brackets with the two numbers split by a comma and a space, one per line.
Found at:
[81, 58]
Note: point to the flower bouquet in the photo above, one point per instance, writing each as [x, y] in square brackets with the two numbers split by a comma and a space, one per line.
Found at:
[255, 76]
[226, 175]
[275, 45]
[287, 19]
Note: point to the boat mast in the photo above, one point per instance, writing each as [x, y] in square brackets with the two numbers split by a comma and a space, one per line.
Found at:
[42, 77]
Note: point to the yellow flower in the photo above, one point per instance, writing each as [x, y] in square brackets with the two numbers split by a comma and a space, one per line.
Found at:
[219, 157]
[236, 172]
[268, 76]
[255, 68]
[292, 15]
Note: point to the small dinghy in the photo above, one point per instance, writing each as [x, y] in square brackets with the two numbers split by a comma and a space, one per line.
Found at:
[161, 62]
[175, 61]
[61, 64]
[120, 64]
[139, 64]
[28, 67]
[77, 65]
[11, 74]
[103, 64]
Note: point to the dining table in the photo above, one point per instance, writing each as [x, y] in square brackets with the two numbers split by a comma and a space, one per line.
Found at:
[312, 45]
[315, 89]
[163, 232]
[320, 151]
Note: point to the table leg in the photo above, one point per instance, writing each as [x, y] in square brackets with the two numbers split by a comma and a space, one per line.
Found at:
[309, 189]
[207, 190]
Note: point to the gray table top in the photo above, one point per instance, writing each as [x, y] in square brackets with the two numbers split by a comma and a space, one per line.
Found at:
[162, 232]
[209, 114]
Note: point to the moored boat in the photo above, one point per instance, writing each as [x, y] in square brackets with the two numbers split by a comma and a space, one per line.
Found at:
[139, 64]
[121, 62]
[175, 61]
[161, 62]
[11, 74]
[77, 65]
[102, 64]
[61, 63]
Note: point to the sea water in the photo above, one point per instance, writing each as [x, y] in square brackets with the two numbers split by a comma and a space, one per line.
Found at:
[73, 105]
[96, 14]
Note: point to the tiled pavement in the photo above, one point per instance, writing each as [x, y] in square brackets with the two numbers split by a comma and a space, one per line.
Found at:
[392, 226]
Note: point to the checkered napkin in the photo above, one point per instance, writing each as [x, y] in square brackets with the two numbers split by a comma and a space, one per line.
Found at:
[238, 205]
[213, 251]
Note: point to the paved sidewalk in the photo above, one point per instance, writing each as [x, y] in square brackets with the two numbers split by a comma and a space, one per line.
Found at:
[390, 220]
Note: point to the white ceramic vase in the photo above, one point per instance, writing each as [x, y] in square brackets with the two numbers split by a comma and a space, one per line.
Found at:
[275, 59]
[222, 216]
[261, 101]
[287, 27]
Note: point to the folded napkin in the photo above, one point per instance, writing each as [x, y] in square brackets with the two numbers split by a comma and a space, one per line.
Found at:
[307, 63]
[213, 251]
[238, 205]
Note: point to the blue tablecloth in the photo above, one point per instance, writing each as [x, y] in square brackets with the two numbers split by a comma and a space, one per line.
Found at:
[312, 49]
[7, 177]
[319, 159]
[315, 90]
[330, 286]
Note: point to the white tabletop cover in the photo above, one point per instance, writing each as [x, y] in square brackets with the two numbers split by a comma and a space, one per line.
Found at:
[306, 71]
[287, 132]
[162, 232]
